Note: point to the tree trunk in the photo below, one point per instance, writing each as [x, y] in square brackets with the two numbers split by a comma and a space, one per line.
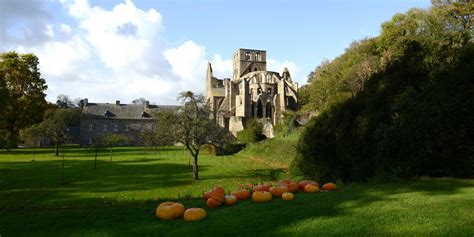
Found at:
[195, 168]
[62, 171]
[95, 160]
[56, 149]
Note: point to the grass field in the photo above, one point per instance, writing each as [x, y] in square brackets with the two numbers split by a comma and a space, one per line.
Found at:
[119, 197]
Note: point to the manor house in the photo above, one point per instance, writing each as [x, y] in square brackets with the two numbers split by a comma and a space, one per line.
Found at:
[253, 92]
[100, 119]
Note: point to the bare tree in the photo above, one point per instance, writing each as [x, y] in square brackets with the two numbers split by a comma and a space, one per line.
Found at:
[193, 127]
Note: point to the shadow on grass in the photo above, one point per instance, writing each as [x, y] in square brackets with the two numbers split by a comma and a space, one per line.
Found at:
[321, 214]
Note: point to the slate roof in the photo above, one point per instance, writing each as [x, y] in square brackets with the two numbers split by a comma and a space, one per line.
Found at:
[124, 111]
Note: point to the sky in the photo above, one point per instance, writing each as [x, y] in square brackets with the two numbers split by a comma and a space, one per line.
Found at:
[122, 50]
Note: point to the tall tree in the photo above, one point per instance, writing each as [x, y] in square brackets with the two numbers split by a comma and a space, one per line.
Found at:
[139, 101]
[22, 97]
[193, 126]
[64, 102]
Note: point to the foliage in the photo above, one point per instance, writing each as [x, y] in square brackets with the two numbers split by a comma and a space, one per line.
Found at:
[139, 101]
[253, 132]
[22, 97]
[56, 123]
[411, 117]
[64, 102]
[165, 121]
[288, 124]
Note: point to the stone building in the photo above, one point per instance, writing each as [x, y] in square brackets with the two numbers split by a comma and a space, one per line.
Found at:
[99, 119]
[253, 92]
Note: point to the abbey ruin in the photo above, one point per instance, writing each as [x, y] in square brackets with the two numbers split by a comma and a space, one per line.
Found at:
[253, 92]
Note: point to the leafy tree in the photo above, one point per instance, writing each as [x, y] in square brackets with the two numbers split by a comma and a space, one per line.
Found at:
[64, 102]
[79, 102]
[111, 140]
[32, 136]
[165, 120]
[139, 101]
[412, 113]
[56, 124]
[22, 97]
[193, 127]
[253, 132]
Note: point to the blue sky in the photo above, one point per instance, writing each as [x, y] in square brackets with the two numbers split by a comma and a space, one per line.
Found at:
[108, 50]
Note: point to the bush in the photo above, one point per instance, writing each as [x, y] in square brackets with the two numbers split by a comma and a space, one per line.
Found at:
[226, 149]
[253, 132]
[407, 122]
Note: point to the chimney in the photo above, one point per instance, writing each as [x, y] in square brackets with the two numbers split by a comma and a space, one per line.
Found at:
[85, 102]
[147, 104]
[117, 103]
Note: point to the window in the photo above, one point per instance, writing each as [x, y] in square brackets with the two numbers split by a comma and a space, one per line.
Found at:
[247, 55]
[126, 128]
[91, 127]
[269, 78]
[153, 126]
[259, 91]
[116, 127]
[105, 127]
[142, 127]
[257, 56]
[269, 90]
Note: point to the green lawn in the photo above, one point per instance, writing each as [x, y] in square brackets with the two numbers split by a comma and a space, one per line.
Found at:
[119, 198]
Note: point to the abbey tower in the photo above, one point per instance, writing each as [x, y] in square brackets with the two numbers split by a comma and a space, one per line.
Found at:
[253, 92]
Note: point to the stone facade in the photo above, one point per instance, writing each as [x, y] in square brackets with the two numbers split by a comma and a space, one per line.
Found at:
[253, 92]
[99, 119]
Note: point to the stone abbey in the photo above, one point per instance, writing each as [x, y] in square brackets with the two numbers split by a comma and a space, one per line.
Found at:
[253, 92]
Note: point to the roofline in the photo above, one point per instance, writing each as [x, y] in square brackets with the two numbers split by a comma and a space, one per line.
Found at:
[259, 50]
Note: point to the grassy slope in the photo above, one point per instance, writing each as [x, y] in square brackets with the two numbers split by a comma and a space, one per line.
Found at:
[119, 198]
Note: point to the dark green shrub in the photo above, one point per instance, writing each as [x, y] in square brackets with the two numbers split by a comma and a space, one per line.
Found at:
[253, 132]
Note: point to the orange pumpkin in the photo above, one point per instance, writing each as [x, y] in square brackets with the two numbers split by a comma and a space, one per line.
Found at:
[241, 194]
[329, 186]
[213, 203]
[277, 191]
[311, 188]
[261, 196]
[218, 194]
[288, 196]
[207, 195]
[169, 210]
[230, 200]
[262, 187]
[292, 185]
[303, 183]
[194, 214]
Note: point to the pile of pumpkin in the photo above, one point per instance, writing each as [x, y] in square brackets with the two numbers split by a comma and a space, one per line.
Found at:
[260, 193]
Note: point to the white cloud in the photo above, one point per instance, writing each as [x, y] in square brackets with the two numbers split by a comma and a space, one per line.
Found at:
[119, 54]
[65, 28]
[295, 71]
[121, 36]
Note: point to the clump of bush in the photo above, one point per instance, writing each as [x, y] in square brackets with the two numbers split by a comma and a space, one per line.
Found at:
[410, 116]
[225, 149]
[253, 132]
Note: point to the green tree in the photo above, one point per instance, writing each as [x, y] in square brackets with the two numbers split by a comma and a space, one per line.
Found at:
[56, 124]
[22, 97]
[32, 136]
[64, 102]
[111, 140]
[410, 115]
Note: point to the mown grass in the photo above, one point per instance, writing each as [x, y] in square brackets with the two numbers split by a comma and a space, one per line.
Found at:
[119, 197]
